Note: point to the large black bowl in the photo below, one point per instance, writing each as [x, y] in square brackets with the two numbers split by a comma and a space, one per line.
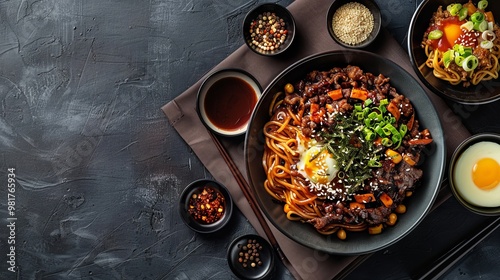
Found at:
[418, 205]
[484, 92]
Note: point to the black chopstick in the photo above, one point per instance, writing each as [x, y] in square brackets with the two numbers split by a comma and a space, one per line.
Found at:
[456, 253]
[245, 188]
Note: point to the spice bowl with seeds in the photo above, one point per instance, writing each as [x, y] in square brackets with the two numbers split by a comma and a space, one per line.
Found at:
[354, 23]
[269, 29]
[205, 206]
[251, 257]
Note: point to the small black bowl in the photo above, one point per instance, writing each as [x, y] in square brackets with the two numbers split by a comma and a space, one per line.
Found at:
[482, 137]
[232, 106]
[197, 187]
[377, 22]
[266, 256]
[482, 93]
[279, 11]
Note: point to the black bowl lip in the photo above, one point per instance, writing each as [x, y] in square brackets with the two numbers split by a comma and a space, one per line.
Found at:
[476, 138]
[280, 9]
[184, 200]
[442, 154]
[205, 81]
[410, 43]
[266, 245]
[377, 18]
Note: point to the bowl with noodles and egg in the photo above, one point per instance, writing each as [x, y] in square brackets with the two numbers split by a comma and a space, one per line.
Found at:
[338, 165]
[454, 48]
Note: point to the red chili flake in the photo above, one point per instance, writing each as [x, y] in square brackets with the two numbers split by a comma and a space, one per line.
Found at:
[207, 205]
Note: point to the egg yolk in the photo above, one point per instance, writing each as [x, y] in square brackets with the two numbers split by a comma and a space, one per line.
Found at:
[316, 166]
[486, 173]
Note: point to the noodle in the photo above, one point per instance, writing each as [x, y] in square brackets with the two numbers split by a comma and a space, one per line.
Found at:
[328, 205]
[488, 66]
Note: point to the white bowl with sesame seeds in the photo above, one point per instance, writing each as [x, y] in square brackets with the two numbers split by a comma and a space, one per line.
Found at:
[354, 23]
[269, 29]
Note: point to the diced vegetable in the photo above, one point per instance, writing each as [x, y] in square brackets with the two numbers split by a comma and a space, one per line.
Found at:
[435, 34]
[359, 94]
[392, 219]
[335, 94]
[375, 229]
[409, 159]
[420, 141]
[386, 200]
[489, 16]
[394, 156]
[471, 9]
[393, 109]
[364, 198]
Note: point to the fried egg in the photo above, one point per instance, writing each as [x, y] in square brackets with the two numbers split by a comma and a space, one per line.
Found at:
[316, 163]
[477, 174]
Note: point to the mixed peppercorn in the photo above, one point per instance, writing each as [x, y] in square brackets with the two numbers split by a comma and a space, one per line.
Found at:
[268, 32]
[249, 254]
[207, 206]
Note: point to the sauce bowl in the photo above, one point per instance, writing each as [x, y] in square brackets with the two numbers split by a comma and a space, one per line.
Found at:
[226, 100]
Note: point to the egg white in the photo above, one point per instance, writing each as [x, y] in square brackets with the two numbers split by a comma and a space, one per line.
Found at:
[316, 164]
[462, 175]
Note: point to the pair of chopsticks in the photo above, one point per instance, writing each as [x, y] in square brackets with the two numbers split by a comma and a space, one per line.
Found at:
[245, 188]
[456, 253]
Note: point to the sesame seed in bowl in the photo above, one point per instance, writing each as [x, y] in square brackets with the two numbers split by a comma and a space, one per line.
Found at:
[354, 23]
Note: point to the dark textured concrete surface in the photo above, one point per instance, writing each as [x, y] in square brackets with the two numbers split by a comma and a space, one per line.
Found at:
[98, 168]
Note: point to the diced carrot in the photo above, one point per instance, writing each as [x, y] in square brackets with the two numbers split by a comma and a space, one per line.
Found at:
[364, 198]
[489, 16]
[393, 109]
[408, 159]
[386, 200]
[360, 94]
[411, 121]
[375, 229]
[335, 94]
[424, 141]
[470, 8]
[354, 205]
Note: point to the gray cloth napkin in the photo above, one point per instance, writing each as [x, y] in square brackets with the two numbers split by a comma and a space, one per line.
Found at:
[311, 37]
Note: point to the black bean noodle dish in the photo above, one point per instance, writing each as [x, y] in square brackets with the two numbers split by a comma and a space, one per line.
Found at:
[343, 150]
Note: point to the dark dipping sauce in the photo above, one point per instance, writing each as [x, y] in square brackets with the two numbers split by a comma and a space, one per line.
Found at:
[229, 103]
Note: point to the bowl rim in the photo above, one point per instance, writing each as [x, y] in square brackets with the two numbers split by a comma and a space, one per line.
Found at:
[377, 20]
[436, 178]
[184, 202]
[462, 147]
[281, 9]
[239, 72]
[232, 257]
[410, 42]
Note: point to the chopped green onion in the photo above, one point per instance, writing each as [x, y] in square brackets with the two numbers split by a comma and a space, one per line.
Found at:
[368, 102]
[384, 102]
[470, 63]
[469, 25]
[462, 14]
[488, 35]
[486, 44]
[477, 17]
[482, 26]
[386, 142]
[459, 59]
[435, 34]
[448, 56]
[482, 4]
[454, 9]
